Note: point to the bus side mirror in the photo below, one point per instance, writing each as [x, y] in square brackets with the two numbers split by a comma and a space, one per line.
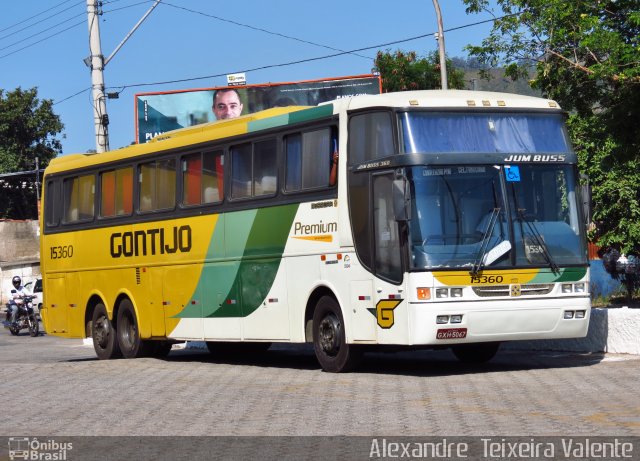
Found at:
[401, 200]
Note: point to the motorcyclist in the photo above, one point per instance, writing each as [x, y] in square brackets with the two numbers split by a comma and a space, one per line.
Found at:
[15, 298]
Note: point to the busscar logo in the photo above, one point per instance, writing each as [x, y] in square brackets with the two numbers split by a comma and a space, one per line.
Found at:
[34, 449]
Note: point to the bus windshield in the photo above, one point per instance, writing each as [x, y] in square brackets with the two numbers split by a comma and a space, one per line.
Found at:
[439, 132]
[499, 216]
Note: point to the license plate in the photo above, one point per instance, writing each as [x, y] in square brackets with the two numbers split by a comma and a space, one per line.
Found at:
[451, 333]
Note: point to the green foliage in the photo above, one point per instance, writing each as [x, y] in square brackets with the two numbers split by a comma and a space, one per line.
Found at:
[28, 129]
[402, 71]
[586, 57]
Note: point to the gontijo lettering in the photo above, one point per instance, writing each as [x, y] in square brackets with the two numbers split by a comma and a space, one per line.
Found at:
[150, 241]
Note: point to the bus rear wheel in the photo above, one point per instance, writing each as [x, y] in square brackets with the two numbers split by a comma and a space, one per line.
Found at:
[329, 339]
[128, 333]
[475, 353]
[104, 334]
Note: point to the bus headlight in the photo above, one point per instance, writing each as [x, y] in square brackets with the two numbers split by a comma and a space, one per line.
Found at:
[579, 287]
[442, 319]
[567, 288]
[456, 319]
[442, 292]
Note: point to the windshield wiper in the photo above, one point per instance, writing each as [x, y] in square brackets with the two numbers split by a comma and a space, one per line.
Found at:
[538, 240]
[482, 253]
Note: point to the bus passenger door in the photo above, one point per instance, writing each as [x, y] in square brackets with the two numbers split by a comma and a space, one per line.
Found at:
[221, 304]
[57, 313]
[265, 310]
[182, 302]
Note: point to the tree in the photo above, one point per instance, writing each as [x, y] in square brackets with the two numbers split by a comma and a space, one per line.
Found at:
[28, 129]
[586, 57]
[402, 71]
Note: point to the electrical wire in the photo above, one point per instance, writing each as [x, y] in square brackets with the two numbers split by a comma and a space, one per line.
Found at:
[290, 63]
[37, 22]
[259, 29]
[302, 61]
[42, 40]
[42, 31]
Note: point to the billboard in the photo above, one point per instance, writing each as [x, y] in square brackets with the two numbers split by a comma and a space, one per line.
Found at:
[164, 111]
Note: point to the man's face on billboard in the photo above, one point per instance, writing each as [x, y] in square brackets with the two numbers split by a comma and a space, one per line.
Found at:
[227, 105]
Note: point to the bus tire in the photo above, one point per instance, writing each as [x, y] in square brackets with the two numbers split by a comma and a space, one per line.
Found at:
[329, 339]
[128, 333]
[475, 353]
[103, 334]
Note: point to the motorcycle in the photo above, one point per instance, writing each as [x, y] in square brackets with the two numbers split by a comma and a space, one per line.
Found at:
[24, 318]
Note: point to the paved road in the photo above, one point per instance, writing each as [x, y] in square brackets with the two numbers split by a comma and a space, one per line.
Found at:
[58, 387]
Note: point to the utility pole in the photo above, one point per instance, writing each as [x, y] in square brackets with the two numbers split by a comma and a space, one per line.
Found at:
[440, 39]
[38, 185]
[96, 62]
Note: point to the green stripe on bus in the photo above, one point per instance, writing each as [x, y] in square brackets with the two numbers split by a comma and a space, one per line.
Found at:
[260, 262]
[271, 122]
[242, 264]
[311, 114]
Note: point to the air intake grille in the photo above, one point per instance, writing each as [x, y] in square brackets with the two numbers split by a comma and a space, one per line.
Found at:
[532, 289]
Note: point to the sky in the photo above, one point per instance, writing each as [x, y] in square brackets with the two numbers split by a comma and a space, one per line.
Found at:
[43, 44]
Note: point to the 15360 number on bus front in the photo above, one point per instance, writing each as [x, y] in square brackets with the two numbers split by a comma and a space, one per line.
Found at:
[486, 279]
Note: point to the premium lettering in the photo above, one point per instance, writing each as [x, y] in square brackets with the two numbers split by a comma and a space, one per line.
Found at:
[151, 242]
[310, 229]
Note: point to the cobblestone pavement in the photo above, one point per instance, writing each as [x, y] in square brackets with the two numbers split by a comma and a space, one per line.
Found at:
[56, 386]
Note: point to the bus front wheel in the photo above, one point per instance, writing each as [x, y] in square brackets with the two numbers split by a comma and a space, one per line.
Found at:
[103, 334]
[129, 335]
[329, 339]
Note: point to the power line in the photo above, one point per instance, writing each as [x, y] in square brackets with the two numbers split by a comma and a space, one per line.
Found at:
[42, 40]
[41, 32]
[72, 96]
[260, 29]
[37, 22]
[123, 87]
[302, 61]
[56, 25]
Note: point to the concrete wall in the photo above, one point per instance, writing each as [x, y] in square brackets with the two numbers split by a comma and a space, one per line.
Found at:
[613, 330]
[19, 254]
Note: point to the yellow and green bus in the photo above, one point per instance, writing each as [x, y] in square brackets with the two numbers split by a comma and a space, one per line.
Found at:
[449, 219]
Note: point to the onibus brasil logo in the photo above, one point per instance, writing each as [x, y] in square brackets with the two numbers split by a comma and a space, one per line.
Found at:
[33, 449]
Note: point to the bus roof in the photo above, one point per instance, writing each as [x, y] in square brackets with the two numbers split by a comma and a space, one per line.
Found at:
[448, 99]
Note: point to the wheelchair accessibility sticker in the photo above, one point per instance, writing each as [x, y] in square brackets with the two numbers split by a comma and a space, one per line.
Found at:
[512, 172]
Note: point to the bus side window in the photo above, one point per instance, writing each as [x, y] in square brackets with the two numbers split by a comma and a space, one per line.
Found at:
[116, 192]
[157, 185]
[52, 204]
[241, 171]
[265, 167]
[202, 178]
[308, 159]
[79, 198]
[370, 137]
